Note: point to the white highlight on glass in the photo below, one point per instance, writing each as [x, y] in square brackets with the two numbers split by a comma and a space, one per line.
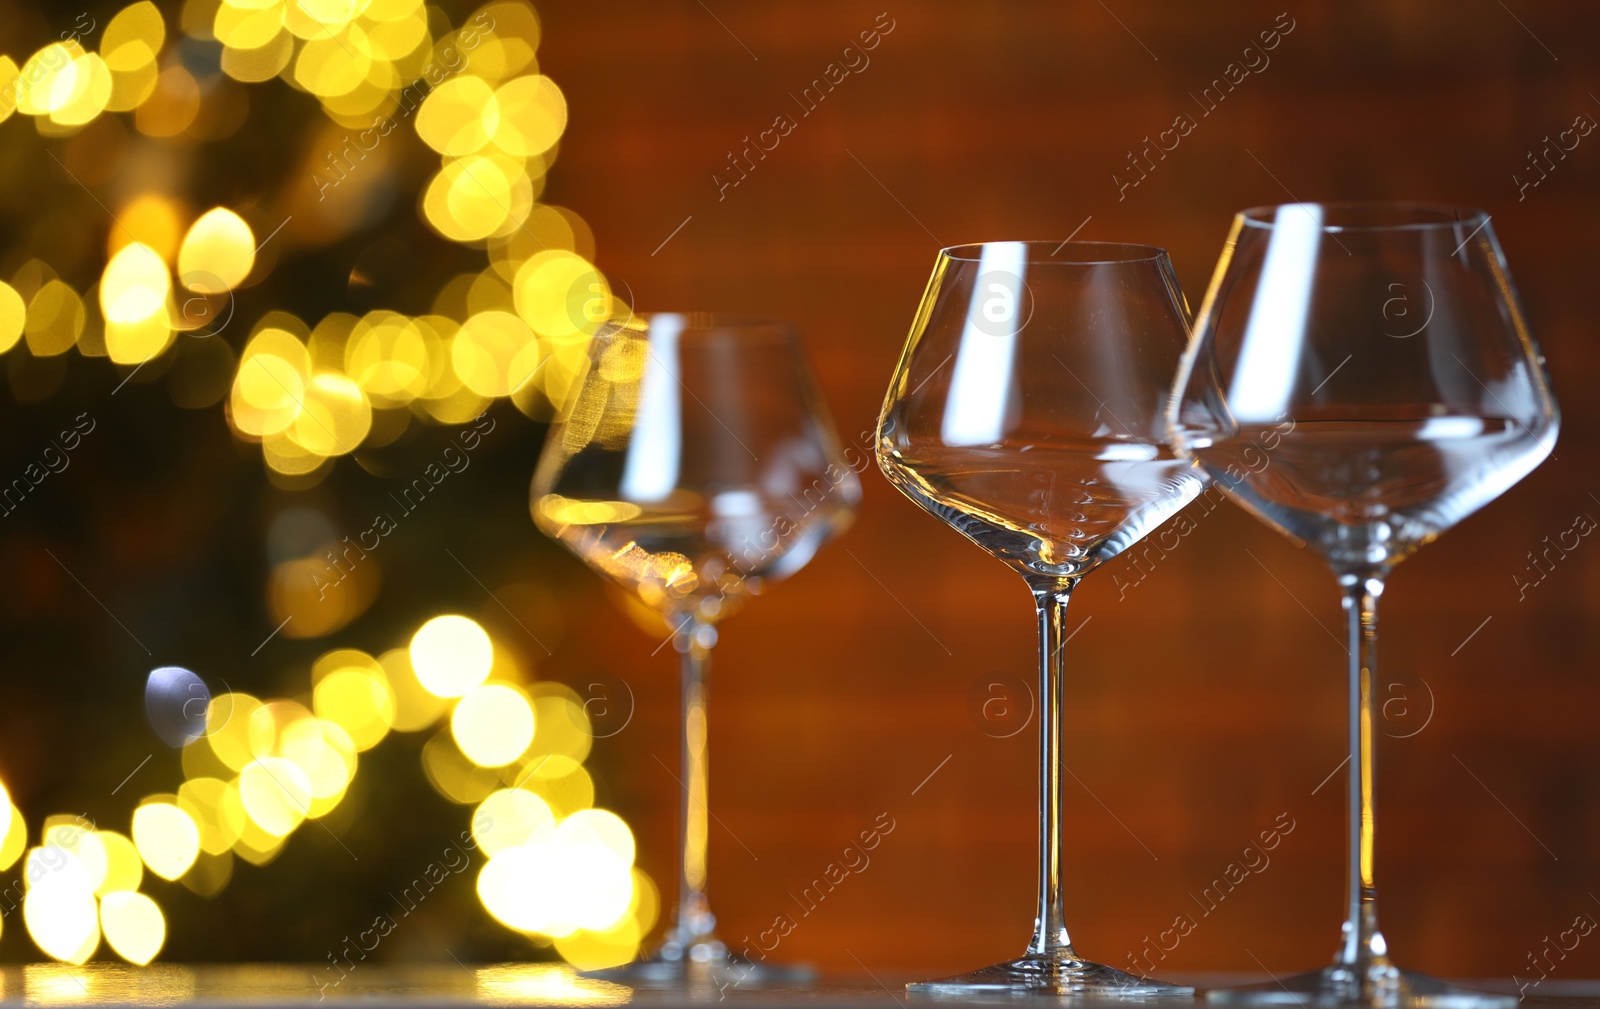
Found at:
[651, 470]
[1127, 451]
[736, 504]
[975, 412]
[1269, 361]
[1445, 428]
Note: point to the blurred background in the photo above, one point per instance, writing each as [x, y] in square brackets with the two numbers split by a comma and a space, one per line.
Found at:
[198, 513]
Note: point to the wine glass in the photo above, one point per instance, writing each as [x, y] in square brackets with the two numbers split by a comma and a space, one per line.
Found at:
[1362, 379]
[1028, 412]
[695, 464]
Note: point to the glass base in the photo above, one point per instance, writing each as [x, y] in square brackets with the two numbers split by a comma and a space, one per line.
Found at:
[726, 972]
[1382, 987]
[1051, 975]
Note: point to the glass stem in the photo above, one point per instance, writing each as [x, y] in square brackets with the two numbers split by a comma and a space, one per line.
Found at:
[695, 922]
[1050, 937]
[1363, 943]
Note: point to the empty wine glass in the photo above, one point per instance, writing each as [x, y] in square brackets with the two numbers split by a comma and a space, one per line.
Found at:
[695, 465]
[1362, 379]
[1028, 412]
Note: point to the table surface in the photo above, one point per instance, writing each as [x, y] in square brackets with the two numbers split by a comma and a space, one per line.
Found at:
[503, 984]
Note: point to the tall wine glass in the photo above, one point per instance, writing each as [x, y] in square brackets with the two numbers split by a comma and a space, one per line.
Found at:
[1028, 413]
[1362, 379]
[695, 465]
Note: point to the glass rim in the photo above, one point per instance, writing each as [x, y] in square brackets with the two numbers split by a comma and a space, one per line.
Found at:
[1132, 252]
[1424, 216]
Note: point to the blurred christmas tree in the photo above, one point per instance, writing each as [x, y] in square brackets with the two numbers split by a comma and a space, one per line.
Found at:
[298, 230]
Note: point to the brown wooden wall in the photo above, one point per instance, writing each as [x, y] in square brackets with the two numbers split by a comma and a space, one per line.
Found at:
[1207, 686]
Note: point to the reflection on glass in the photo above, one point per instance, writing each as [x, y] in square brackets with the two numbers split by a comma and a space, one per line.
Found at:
[695, 465]
[1027, 412]
[1362, 379]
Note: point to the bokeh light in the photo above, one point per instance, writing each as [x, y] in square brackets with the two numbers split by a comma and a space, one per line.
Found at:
[511, 817]
[228, 719]
[355, 695]
[451, 655]
[401, 84]
[401, 94]
[71, 838]
[217, 253]
[205, 800]
[493, 724]
[166, 837]
[453, 775]
[558, 869]
[577, 876]
[415, 706]
[15, 840]
[13, 314]
[59, 908]
[133, 925]
[124, 866]
[135, 285]
[54, 321]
